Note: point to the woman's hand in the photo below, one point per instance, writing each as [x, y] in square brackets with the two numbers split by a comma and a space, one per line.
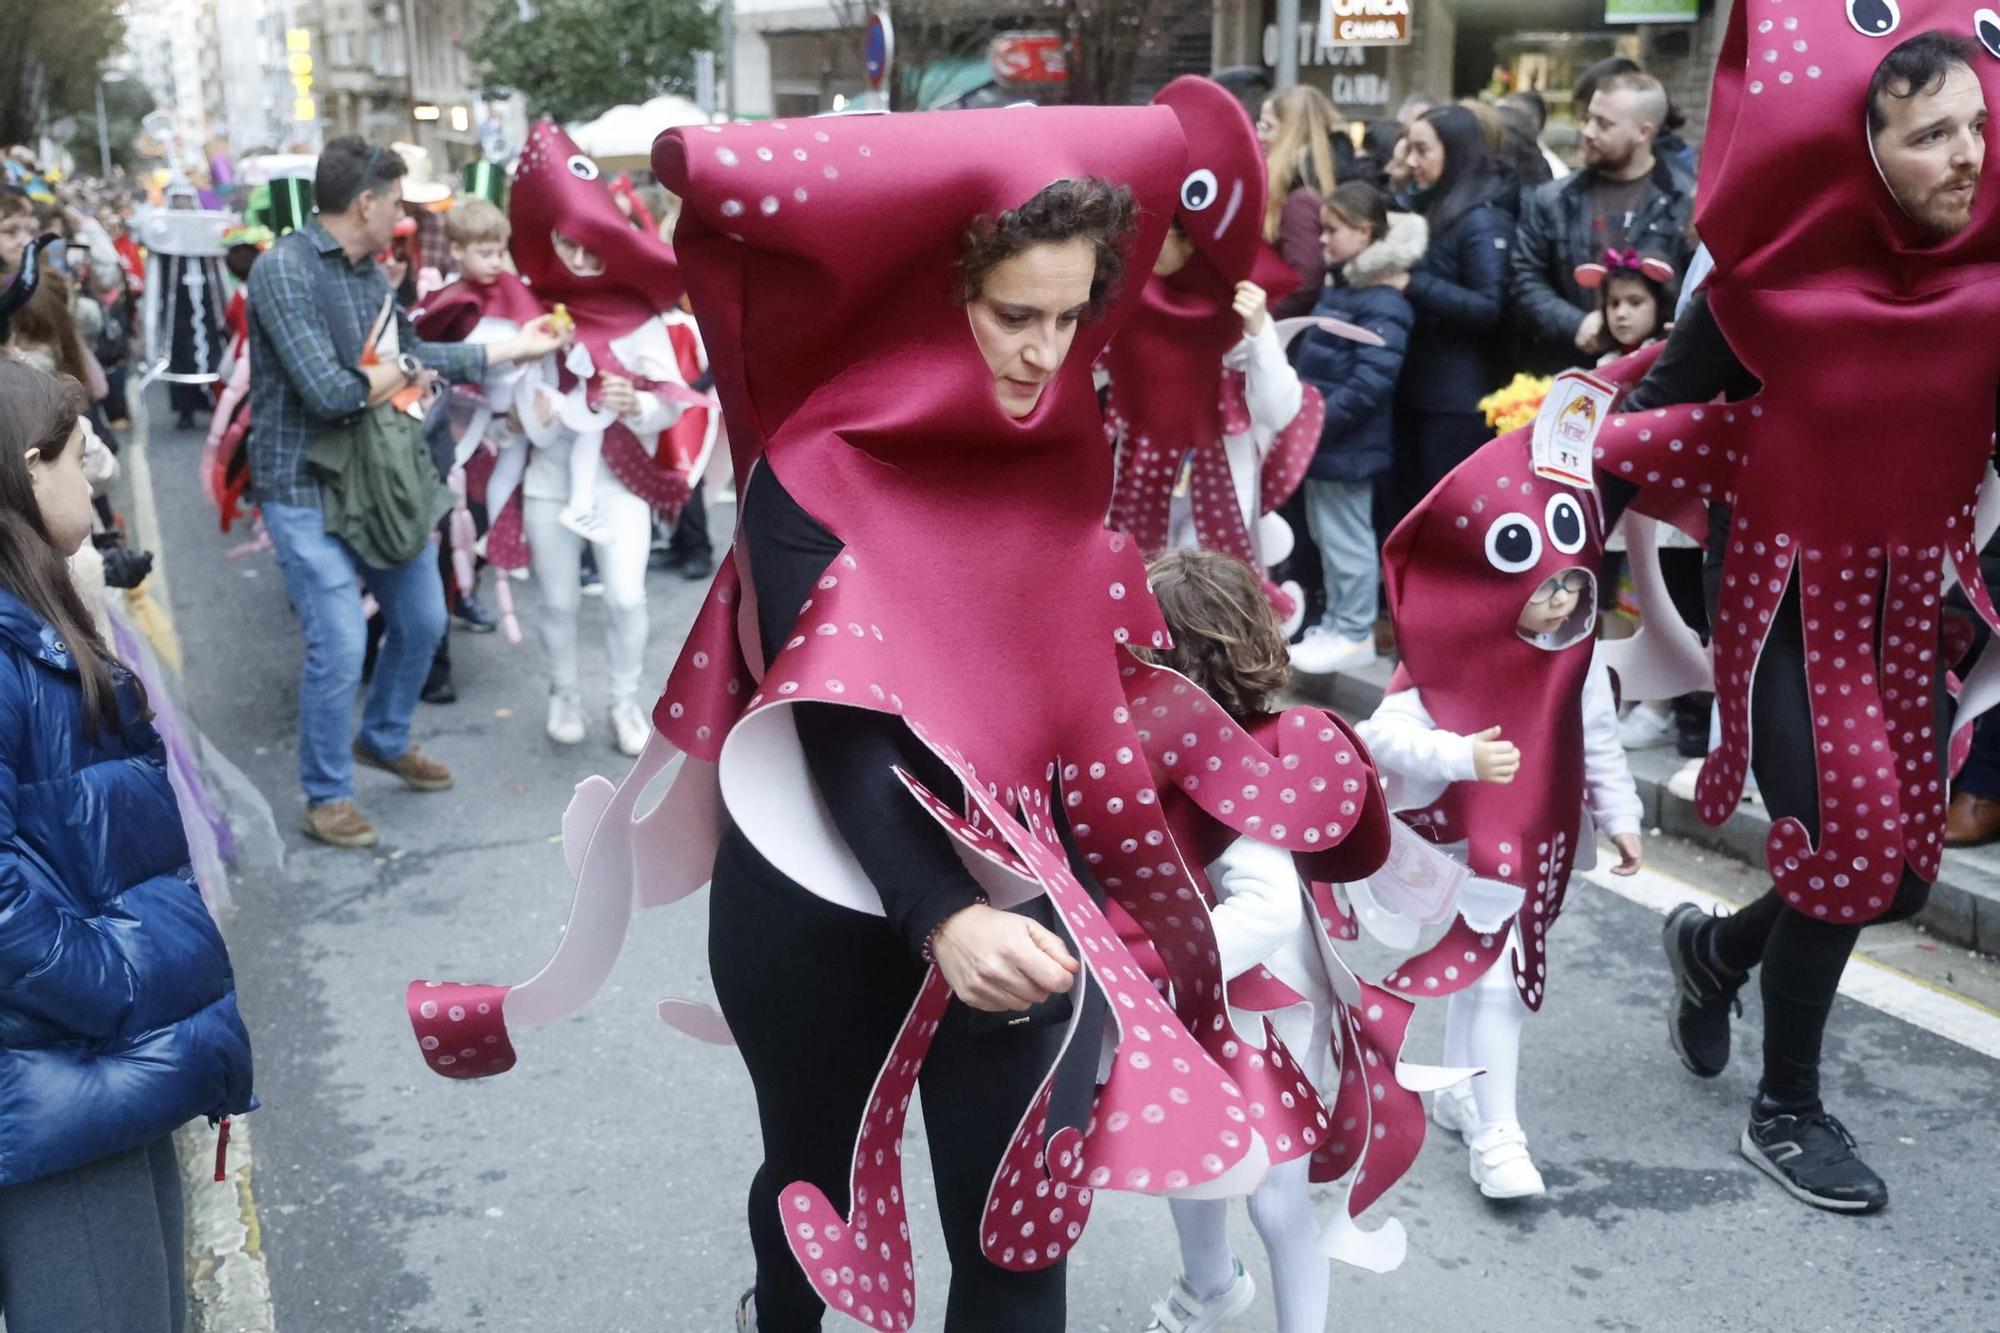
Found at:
[1631, 854]
[998, 961]
[617, 395]
[1252, 307]
[1494, 760]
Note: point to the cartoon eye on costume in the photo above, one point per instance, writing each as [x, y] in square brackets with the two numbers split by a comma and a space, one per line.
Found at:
[1565, 523]
[1987, 24]
[582, 168]
[1199, 190]
[1513, 543]
[1874, 18]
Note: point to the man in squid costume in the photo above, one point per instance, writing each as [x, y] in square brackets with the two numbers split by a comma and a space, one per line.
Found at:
[1244, 432]
[964, 625]
[1830, 395]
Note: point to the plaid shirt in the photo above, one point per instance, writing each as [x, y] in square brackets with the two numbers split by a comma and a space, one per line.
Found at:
[299, 381]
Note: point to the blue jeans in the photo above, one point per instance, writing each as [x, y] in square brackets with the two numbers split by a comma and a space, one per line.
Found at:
[320, 576]
[1340, 516]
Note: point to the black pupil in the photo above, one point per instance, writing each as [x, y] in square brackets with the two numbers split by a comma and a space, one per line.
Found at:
[1514, 544]
[1989, 33]
[1566, 525]
[1196, 194]
[1873, 16]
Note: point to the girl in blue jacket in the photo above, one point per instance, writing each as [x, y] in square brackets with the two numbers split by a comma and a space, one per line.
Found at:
[118, 1017]
[1377, 249]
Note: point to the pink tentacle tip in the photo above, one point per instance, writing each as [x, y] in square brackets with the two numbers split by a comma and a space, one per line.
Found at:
[461, 1029]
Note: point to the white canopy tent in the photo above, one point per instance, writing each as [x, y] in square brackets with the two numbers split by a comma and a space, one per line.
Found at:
[622, 138]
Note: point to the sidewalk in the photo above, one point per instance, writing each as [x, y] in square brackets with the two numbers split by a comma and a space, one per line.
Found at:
[1964, 906]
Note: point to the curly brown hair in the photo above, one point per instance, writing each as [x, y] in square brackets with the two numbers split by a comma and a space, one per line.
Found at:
[1085, 207]
[1226, 637]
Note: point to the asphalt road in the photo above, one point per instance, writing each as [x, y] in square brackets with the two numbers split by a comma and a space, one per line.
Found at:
[599, 1186]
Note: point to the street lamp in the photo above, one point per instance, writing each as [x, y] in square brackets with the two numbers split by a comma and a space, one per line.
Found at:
[103, 128]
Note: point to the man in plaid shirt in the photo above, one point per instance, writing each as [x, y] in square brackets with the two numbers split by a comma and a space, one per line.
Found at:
[313, 299]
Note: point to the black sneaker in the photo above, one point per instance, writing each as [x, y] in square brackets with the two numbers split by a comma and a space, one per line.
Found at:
[473, 617]
[1704, 995]
[746, 1312]
[1812, 1155]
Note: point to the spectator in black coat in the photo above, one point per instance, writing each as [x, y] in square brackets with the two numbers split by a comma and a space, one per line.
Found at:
[1457, 291]
[1373, 251]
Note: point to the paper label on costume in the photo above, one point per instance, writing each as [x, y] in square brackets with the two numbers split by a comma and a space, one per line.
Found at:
[1417, 881]
[1567, 425]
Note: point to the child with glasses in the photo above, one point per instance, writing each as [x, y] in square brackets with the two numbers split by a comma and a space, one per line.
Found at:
[1419, 761]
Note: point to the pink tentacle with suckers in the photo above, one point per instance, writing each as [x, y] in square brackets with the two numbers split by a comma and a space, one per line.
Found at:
[1291, 453]
[1545, 876]
[1860, 854]
[1753, 587]
[1910, 676]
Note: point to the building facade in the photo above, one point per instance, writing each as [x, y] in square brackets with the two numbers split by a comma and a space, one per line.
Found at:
[455, 120]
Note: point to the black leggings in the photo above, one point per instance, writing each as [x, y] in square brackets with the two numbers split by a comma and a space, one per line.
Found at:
[1802, 956]
[815, 994]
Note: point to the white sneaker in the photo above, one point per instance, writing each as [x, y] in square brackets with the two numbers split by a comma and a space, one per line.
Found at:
[1501, 1166]
[1323, 652]
[1645, 727]
[585, 523]
[630, 727]
[1455, 1110]
[1682, 783]
[565, 719]
[1180, 1311]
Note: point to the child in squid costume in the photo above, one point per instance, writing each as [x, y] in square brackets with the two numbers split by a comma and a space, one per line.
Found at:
[1499, 732]
[1198, 376]
[605, 455]
[874, 740]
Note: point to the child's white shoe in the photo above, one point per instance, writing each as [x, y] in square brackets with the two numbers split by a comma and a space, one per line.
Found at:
[565, 726]
[1181, 1311]
[585, 523]
[630, 727]
[1501, 1166]
[1454, 1109]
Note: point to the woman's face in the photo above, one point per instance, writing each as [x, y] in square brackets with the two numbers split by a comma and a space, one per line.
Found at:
[1025, 316]
[1340, 239]
[575, 258]
[1426, 155]
[1267, 125]
[63, 494]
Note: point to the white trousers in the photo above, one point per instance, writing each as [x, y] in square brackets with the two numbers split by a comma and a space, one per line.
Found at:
[621, 561]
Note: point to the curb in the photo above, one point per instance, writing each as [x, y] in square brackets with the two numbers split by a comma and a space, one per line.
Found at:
[1964, 905]
[229, 1284]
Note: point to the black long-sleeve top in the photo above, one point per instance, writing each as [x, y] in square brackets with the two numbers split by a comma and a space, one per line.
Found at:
[850, 752]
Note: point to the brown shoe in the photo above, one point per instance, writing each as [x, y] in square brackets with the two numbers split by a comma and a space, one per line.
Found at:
[418, 770]
[1971, 821]
[339, 824]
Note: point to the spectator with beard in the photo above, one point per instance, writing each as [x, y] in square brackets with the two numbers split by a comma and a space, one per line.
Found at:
[1626, 197]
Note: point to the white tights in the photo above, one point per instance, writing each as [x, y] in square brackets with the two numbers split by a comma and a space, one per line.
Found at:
[1281, 1210]
[621, 561]
[1482, 1030]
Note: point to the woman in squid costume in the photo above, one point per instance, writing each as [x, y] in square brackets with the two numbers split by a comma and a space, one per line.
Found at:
[922, 593]
[1834, 328]
[1245, 431]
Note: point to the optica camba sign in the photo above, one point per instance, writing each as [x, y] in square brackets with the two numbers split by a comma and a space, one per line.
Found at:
[1364, 23]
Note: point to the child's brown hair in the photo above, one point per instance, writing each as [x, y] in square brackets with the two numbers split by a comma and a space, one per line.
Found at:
[1226, 636]
[473, 220]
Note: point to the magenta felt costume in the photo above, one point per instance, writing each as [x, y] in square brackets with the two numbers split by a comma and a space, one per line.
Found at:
[1853, 472]
[848, 367]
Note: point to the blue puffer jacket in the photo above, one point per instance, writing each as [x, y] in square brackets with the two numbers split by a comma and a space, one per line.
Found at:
[118, 1013]
[1358, 382]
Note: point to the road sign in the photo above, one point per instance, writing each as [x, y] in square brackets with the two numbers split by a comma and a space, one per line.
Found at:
[878, 49]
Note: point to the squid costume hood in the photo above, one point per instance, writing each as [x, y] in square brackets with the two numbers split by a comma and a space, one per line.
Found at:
[1862, 326]
[849, 367]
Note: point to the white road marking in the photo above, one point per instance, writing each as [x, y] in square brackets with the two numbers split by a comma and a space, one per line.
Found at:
[1877, 985]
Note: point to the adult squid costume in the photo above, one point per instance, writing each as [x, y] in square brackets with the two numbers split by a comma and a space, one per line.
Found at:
[1863, 329]
[848, 367]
